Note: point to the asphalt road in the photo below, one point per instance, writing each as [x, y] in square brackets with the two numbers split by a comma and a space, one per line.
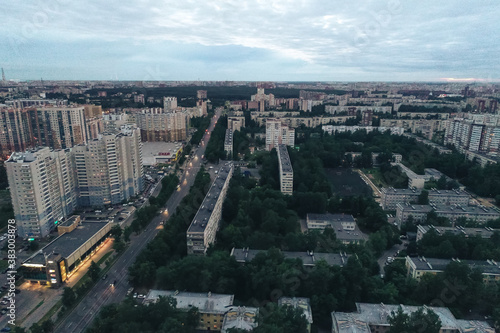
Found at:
[103, 292]
[388, 253]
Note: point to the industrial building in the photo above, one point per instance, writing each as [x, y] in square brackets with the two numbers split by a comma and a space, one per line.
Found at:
[54, 263]
[286, 170]
[202, 230]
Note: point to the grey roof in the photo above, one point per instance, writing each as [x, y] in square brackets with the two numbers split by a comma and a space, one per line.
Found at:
[474, 210]
[69, 242]
[377, 314]
[205, 302]
[457, 230]
[475, 326]
[241, 317]
[435, 264]
[415, 208]
[392, 190]
[302, 303]
[331, 217]
[201, 218]
[228, 140]
[286, 165]
[349, 323]
[308, 258]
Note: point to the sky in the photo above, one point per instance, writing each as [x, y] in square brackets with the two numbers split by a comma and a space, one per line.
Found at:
[260, 40]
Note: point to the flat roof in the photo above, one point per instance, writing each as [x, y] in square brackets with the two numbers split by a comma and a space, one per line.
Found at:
[331, 217]
[349, 323]
[375, 314]
[286, 164]
[153, 150]
[435, 264]
[475, 210]
[69, 242]
[457, 230]
[240, 317]
[205, 302]
[201, 218]
[308, 258]
[302, 303]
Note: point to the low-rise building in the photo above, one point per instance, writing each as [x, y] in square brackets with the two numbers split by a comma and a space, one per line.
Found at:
[241, 318]
[485, 232]
[55, 262]
[309, 258]
[202, 231]
[418, 266]
[417, 212]
[212, 307]
[301, 303]
[392, 196]
[375, 318]
[154, 153]
[344, 226]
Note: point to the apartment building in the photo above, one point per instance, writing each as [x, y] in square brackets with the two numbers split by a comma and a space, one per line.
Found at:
[157, 125]
[333, 129]
[169, 103]
[212, 307]
[43, 189]
[15, 131]
[235, 122]
[278, 133]
[109, 169]
[418, 266]
[371, 318]
[202, 230]
[228, 142]
[391, 197]
[485, 232]
[345, 227]
[286, 170]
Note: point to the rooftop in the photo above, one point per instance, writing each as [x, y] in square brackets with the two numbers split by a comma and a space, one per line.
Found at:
[201, 218]
[69, 242]
[349, 323]
[308, 258]
[240, 317]
[205, 302]
[298, 302]
[331, 217]
[286, 165]
[457, 230]
[434, 264]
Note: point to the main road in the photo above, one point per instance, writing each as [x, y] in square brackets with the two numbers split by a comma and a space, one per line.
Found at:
[103, 292]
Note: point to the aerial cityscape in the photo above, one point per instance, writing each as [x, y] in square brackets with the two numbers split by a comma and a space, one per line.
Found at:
[267, 167]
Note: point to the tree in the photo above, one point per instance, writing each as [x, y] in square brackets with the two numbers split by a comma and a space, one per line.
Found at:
[94, 271]
[116, 232]
[423, 320]
[423, 197]
[68, 297]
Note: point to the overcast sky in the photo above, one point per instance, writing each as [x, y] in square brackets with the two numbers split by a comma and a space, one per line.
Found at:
[276, 40]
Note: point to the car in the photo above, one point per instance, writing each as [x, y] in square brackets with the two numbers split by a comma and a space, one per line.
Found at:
[110, 208]
[98, 211]
[6, 329]
[105, 276]
[130, 290]
[141, 296]
[4, 302]
[135, 295]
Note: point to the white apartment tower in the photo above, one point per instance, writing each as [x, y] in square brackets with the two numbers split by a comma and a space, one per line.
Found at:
[278, 133]
[43, 189]
[169, 103]
[109, 169]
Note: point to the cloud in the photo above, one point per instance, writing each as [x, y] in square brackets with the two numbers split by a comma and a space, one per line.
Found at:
[394, 38]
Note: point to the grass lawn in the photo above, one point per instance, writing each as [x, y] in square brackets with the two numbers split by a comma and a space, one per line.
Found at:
[375, 176]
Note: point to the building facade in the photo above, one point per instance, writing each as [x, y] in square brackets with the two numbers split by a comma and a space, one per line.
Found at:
[278, 133]
[43, 190]
[109, 169]
[157, 125]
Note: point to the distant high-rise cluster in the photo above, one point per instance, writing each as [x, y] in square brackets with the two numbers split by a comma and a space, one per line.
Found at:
[475, 133]
[27, 124]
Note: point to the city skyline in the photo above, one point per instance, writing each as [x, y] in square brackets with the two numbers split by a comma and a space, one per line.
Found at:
[272, 41]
